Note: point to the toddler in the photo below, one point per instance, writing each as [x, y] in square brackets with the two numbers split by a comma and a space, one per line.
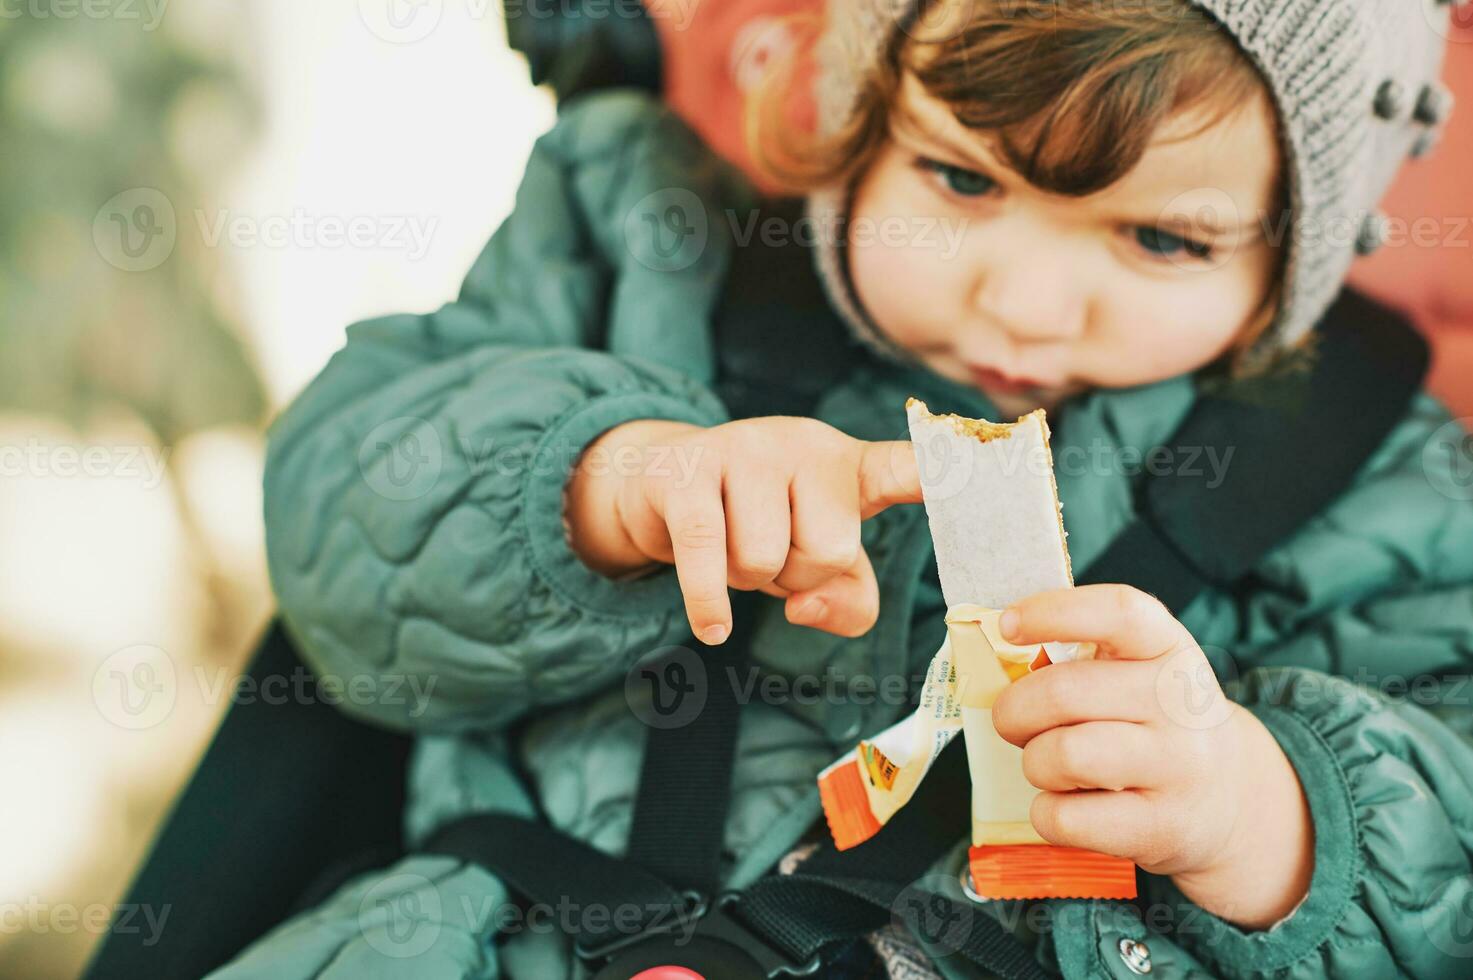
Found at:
[1105, 208]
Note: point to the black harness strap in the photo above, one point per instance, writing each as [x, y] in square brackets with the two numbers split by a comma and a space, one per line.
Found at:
[672, 834]
[841, 895]
[536, 860]
[784, 921]
[779, 342]
[1296, 444]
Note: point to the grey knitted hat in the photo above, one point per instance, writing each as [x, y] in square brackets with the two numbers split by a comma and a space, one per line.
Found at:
[1356, 86]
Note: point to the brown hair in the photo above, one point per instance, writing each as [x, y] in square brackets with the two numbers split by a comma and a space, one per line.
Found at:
[1072, 92]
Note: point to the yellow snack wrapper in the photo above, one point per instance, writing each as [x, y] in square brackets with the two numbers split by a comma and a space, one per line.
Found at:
[998, 537]
[865, 788]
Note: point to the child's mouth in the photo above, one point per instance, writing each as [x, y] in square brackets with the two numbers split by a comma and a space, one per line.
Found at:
[1002, 384]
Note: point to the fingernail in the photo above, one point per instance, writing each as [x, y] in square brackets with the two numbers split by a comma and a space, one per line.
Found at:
[1008, 624]
[714, 635]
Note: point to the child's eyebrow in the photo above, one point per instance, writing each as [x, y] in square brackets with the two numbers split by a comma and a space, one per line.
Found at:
[908, 122]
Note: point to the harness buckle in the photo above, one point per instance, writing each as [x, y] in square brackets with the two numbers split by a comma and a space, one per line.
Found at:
[700, 936]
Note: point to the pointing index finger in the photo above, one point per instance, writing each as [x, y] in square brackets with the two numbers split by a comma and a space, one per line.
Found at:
[888, 475]
[696, 520]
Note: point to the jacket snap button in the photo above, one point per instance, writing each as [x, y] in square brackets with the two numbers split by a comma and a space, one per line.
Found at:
[1135, 955]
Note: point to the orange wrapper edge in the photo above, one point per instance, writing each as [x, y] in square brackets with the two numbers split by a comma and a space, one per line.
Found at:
[1049, 871]
[846, 807]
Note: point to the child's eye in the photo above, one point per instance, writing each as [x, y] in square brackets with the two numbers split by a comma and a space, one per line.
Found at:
[1163, 243]
[959, 180]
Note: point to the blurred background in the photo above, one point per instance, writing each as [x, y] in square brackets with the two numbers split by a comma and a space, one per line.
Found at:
[196, 197]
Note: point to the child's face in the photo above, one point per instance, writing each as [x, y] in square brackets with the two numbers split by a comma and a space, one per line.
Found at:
[1031, 296]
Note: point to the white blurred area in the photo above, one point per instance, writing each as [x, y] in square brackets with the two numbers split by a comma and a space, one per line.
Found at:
[437, 131]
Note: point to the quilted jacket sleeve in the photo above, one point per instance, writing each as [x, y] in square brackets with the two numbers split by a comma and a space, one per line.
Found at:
[1373, 608]
[414, 490]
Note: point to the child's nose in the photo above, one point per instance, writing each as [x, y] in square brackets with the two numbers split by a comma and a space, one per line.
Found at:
[1033, 297]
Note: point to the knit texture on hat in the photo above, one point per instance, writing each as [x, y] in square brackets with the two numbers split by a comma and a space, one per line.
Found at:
[1355, 83]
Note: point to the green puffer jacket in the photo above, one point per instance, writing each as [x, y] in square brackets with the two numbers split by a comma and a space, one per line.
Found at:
[413, 514]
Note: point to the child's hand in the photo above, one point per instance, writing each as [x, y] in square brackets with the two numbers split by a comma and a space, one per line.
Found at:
[772, 504]
[1140, 755]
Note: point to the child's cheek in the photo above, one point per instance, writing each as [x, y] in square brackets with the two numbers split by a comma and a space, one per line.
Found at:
[901, 257]
[1153, 328]
[890, 284]
[907, 278]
